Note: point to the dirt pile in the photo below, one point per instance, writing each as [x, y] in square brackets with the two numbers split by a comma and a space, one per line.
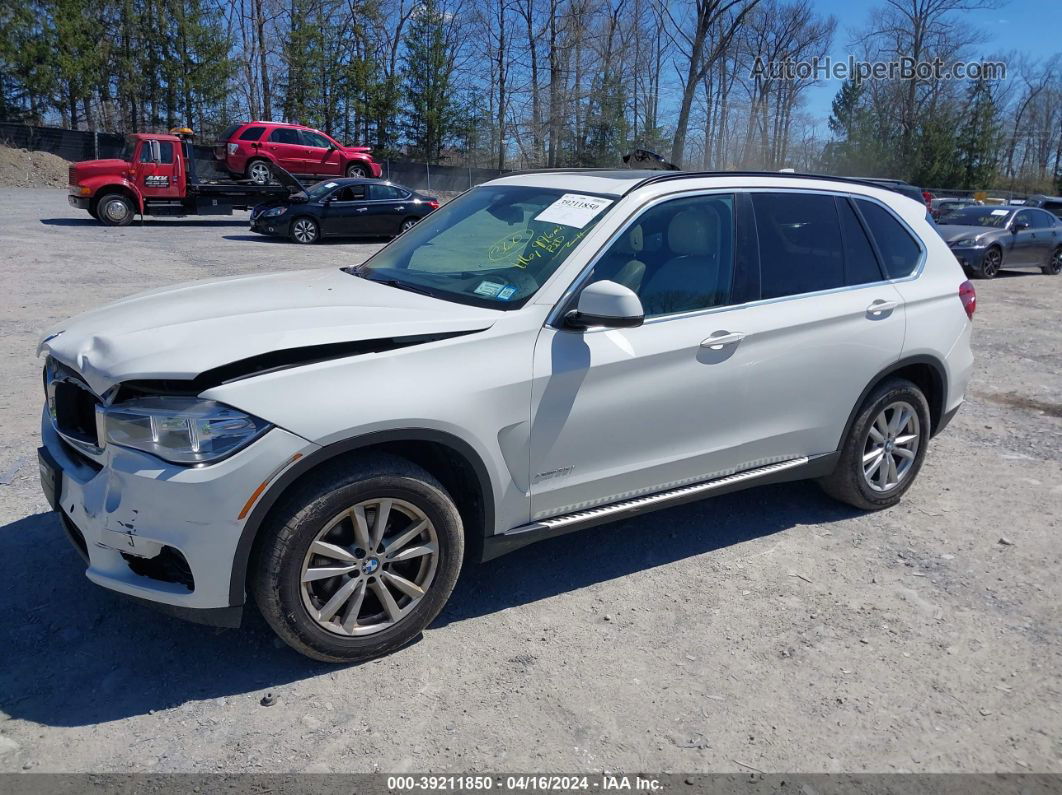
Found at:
[21, 168]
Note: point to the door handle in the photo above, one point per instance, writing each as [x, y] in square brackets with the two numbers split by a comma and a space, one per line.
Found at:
[723, 339]
[360, 209]
[880, 307]
[400, 208]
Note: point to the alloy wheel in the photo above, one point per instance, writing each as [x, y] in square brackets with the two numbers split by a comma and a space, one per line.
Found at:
[355, 172]
[1055, 266]
[891, 446]
[408, 224]
[369, 567]
[990, 266]
[304, 230]
[260, 173]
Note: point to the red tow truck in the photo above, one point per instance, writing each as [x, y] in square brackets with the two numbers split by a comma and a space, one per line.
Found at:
[160, 174]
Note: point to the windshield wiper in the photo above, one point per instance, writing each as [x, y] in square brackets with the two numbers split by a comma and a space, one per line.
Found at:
[401, 286]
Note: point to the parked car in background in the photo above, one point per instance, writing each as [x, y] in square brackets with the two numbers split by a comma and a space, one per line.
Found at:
[250, 149]
[1053, 204]
[343, 208]
[946, 204]
[547, 352]
[904, 189]
[987, 239]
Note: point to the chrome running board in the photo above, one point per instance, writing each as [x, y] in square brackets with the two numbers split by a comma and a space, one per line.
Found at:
[653, 501]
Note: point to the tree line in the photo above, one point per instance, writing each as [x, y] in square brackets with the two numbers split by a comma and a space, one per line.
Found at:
[544, 83]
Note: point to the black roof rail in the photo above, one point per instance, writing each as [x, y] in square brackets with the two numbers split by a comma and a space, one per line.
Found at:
[666, 176]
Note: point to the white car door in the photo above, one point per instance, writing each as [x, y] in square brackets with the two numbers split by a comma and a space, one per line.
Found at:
[623, 412]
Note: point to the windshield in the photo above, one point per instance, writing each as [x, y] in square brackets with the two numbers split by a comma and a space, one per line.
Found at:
[319, 190]
[976, 216]
[493, 246]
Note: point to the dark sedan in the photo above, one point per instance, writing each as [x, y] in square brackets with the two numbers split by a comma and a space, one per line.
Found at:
[986, 239]
[343, 208]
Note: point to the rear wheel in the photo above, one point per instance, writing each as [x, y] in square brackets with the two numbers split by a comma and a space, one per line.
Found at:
[259, 172]
[1054, 265]
[356, 171]
[409, 223]
[884, 449]
[305, 230]
[359, 561]
[114, 209]
[991, 263]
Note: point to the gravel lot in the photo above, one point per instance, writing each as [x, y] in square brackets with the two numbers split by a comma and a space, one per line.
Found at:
[773, 629]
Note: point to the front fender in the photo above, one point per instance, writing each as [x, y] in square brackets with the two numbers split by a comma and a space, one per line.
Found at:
[100, 185]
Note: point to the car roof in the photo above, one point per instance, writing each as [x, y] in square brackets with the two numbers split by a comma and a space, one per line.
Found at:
[364, 181]
[622, 181]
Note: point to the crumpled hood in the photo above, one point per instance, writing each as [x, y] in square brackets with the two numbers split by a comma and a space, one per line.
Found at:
[951, 232]
[179, 332]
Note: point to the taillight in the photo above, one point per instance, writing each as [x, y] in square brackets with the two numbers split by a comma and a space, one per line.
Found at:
[968, 296]
[434, 204]
[234, 148]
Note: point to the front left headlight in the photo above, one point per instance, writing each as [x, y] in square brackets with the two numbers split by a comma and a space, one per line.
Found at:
[181, 430]
[272, 212]
[966, 242]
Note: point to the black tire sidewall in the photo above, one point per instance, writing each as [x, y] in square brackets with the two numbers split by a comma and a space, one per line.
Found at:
[890, 392]
[316, 226]
[1049, 268]
[986, 274]
[292, 620]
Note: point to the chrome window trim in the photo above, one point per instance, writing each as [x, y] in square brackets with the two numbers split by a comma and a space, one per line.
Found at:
[556, 316]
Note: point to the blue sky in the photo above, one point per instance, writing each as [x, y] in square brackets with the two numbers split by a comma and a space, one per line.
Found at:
[1031, 27]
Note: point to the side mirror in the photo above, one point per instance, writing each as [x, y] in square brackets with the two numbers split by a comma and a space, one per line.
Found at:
[1019, 226]
[606, 304]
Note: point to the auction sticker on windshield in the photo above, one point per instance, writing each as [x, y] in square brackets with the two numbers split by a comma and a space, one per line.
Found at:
[573, 209]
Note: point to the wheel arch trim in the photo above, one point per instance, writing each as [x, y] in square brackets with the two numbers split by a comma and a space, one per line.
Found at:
[939, 410]
[271, 496]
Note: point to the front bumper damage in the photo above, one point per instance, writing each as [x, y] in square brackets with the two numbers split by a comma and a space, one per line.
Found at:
[156, 531]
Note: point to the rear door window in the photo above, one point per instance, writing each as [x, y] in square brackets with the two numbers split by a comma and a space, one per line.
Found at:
[860, 262]
[801, 250]
[899, 251]
[252, 133]
[386, 193]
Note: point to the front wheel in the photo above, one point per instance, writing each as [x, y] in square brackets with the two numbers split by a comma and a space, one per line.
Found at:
[884, 449]
[991, 264]
[356, 171]
[359, 560]
[1054, 265]
[114, 209]
[305, 230]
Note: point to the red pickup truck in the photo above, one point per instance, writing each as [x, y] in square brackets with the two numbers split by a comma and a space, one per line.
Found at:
[160, 174]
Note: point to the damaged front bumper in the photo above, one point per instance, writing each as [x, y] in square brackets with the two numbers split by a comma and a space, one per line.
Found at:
[160, 532]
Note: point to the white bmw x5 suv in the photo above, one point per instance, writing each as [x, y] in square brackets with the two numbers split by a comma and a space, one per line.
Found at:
[547, 352]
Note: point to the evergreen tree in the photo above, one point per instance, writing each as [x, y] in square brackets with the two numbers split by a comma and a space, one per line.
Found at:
[430, 108]
[979, 138]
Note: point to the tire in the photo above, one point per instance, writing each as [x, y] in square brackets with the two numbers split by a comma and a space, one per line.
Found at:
[305, 230]
[259, 172]
[310, 514]
[115, 209]
[356, 171]
[1054, 265]
[991, 264]
[408, 224]
[849, 482]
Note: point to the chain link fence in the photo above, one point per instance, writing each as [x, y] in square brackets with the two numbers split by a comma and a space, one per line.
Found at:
[77, 145]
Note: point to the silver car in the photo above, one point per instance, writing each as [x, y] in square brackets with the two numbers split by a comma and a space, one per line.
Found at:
[545, 353]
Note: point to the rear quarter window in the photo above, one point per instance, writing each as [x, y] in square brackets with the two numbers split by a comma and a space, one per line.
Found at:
[899, 251]
[252, 133]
